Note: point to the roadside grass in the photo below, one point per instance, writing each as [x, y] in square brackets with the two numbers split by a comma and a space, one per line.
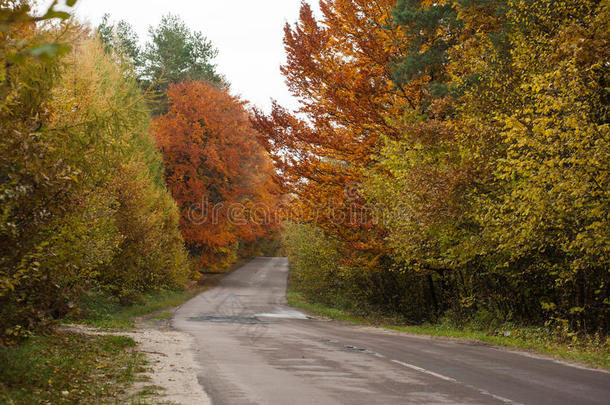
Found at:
[165, 315]
[102, 311]
[69, 368]
[105, 312]
[74, 368]
[591, 351]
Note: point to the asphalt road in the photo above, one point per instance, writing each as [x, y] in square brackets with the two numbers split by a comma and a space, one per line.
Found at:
[254, 349]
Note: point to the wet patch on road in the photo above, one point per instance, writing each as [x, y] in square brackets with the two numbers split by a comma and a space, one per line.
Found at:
[358, 349]
[284, 314]
[352, 348]
[239, 319]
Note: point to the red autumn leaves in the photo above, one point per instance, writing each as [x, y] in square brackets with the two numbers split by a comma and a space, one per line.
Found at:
[220, 176]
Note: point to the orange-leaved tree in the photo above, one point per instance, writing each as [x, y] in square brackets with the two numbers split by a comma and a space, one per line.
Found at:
[220, 176]
[340, 69]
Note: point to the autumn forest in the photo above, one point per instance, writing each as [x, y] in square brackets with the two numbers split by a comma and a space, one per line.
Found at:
[449, 163]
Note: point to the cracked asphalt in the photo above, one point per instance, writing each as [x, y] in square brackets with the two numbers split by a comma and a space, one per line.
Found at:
[254, 349]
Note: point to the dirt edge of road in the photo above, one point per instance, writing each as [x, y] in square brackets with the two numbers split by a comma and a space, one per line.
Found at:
[171, 368]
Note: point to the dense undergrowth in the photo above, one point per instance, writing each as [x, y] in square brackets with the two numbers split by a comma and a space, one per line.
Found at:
[83, 200]
[451, 161]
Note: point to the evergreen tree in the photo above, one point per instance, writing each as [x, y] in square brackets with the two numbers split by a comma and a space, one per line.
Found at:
[175, 54]
[120, 37]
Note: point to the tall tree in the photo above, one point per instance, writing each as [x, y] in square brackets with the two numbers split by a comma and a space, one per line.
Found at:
[119, 37]
[216, 170]
[176, 53]
[549, 209]
[499, 186]
[82, 203]
[432, 27]
[339, 68]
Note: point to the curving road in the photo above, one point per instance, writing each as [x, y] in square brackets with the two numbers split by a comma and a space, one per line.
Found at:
[254, 349]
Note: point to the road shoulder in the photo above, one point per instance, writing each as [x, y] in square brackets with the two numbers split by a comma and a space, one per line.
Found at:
[170, 374]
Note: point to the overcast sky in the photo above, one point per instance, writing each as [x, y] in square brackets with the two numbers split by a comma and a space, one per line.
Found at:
[247, 33]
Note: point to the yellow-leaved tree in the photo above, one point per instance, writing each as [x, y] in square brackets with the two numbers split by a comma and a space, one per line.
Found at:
[83, 205]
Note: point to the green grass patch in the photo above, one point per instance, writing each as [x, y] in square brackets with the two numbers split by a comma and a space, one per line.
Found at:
[165, 315]
[103, 311]
[295, 299]
[68, 368]
[73, 368]
[592, 351]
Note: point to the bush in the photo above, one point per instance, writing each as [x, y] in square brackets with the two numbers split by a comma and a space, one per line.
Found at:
[82, 202]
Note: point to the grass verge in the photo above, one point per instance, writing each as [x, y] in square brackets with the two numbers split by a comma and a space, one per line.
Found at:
[105, 312]
[68, 368]
[74, 368]
[592, 352]
[102, 311]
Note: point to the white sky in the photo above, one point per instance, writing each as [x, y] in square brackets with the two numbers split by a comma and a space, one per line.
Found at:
[248, 34]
